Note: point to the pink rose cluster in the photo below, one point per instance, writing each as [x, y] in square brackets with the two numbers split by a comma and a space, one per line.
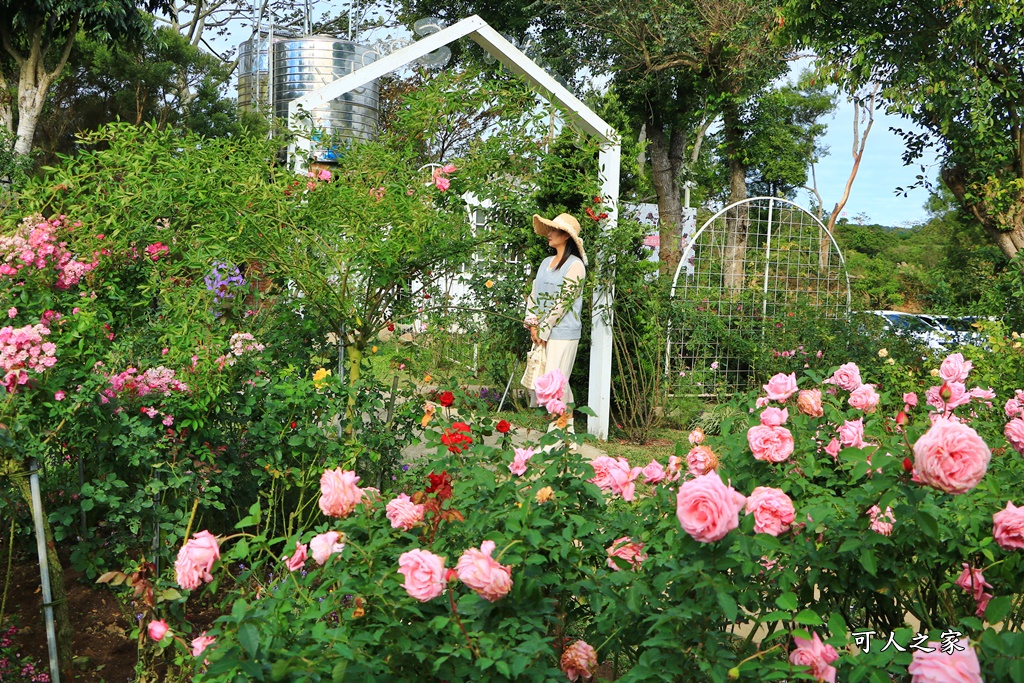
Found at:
[951, 457]
[22, 350]
[815, 655]
[550, 387]
[34, 243]
[707, 509]
[973, 581]
[156, 250]
[339, 492]
[440, 176]
[881, 522]
[158, 380]
[195, 560]
[403, 513]
[954, 371]
[770, 441]
[425, 574]
[242, 343]
[615, 475]
[626, 549]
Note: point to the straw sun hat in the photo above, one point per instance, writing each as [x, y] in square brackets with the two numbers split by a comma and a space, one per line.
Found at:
[564, 222]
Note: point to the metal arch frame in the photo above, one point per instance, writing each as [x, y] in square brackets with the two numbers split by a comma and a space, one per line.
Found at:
[579, 114]
[771, 202]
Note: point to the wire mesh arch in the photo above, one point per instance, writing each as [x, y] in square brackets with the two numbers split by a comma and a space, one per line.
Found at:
[751, 274]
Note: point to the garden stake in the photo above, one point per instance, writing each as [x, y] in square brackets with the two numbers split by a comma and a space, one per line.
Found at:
[501, 403]
[44, 570]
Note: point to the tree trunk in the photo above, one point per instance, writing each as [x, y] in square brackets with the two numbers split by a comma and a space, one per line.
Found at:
[58, 593]
[667, 153]
[735, 220]
[1009, 241]
[30, 104]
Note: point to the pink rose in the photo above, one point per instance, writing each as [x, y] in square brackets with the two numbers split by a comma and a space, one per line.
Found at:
[615, 475]
[761, 402]
[774, 417]
[809, 402]
[851, 434]
[12, 312]
[973, 581]
[556, 406]
[550, 386]
[864, 398]
[624, 548]
[324, 545]
[675, 466]
[324, 174]
[881, 523]
[1014, 432]
[781, 386]
[910, 400]
[959, 396]
[701, 460]
[696, 436]
[955, 368]
[951, 457]
[403, 513]
[846, 377]
[772, 509]
[654, 473]
[339, 494]
[833, 448]
[298, 559]
[708, 509]
[195, 560]
[158, 629]
[960, 666]
[200, 644]
[522, 456]
[442, 183]
[579, 659]
[772, 444]
[478, 570]
[985, 395]
[816, 655]
[1008, 527]
[424, 574]
[1013, 407]
[59, 396]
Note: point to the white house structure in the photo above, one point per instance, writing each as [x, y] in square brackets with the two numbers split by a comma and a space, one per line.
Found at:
[579, 115]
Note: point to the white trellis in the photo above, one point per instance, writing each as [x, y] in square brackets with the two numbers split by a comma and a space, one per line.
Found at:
[579, 115]
[747, 268]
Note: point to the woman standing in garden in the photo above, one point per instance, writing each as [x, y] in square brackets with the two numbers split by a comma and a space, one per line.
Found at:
[556, 301]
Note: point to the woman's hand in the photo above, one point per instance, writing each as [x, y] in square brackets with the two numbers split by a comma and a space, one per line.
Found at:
[537, 341]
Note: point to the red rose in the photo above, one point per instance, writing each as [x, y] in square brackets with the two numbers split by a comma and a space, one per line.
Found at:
[391, 327]
[457, 438]
[441, 484]
[446, 398]
[503, 426]
[294, 425]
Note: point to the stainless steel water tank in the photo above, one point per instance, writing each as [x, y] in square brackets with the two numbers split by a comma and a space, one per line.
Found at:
[302, 65]
[253, 68]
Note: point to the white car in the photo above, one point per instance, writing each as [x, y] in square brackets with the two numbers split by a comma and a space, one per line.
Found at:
[914, 326]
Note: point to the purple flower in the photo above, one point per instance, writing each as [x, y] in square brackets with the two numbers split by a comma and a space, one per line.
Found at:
[221, 279]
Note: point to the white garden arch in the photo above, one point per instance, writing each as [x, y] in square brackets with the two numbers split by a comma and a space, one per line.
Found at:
[579, 115]
[744, 272]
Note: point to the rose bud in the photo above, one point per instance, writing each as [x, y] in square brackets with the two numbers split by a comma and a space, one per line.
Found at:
[945, 393]
[908, 465]
[901, 418]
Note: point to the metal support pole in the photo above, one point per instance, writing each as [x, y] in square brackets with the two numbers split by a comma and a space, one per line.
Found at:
[44, 570]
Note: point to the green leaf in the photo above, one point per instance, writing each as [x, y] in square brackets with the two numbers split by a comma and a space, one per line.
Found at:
[787, 601]
[997, 609]
[869, 562]
[338, 672]
[808, 618]
[728, 605]
[927, 523]
[249, 637]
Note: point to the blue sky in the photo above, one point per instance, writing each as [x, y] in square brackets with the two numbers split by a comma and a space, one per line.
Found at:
[881, 171]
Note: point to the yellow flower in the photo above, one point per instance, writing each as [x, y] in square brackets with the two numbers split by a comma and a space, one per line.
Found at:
[1016, 345]
[883, 353]
[1015, 335]
[545, 494]
[489, 284]
[891, 361]
[935, 372]
[373, 350]
[427, 379]
[319, 376]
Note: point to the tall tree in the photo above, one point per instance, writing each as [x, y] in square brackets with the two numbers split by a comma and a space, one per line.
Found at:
[37, 38]
[956, 69]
